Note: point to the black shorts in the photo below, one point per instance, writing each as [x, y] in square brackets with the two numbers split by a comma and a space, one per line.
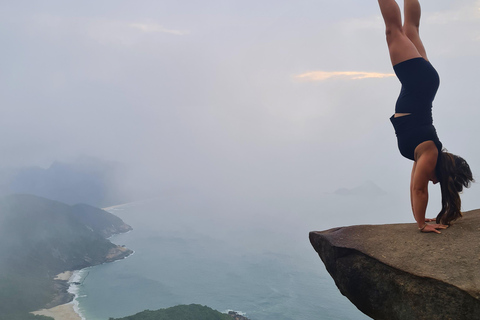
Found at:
[420, 83]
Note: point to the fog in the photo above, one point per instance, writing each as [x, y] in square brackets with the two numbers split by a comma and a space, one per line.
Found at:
[206, 95]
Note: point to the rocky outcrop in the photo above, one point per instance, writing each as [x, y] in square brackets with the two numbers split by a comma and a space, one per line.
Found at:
[117, 253]
[61, 294]
[236, 316]
[396, 272]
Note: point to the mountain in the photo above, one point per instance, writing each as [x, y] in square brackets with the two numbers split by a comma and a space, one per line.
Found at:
[99, 220]
[86, 180]
[40, 238]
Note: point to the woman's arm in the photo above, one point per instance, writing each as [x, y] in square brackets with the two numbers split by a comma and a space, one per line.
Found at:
[422, 171]
[419, 189]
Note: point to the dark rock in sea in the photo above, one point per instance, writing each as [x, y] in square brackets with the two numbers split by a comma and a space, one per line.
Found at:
[396, 272]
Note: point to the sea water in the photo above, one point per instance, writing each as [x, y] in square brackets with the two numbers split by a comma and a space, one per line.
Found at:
[250, 255]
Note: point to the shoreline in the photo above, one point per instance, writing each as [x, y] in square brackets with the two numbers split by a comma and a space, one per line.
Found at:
[65, 276]
[68, 283]
[118, 205]
[115, 206]
[128, 203]
[65, 306]
[67, 310]
[61, 312]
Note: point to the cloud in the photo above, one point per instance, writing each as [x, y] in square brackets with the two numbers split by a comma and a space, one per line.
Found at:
[152, 27]
[468, 12]
[349, 75]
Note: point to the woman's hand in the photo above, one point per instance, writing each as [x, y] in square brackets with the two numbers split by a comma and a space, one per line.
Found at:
[434, 227]
[430, 220]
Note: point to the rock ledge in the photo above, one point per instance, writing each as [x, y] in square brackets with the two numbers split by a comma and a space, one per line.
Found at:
[395, 272]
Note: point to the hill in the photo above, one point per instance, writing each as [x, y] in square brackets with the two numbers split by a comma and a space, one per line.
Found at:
[85, 180]
[40, 238]
[181, 312]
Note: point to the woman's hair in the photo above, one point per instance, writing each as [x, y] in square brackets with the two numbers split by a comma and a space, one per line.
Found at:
[453, 173]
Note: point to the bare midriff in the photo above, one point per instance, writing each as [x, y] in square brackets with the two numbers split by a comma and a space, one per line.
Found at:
[401, 115]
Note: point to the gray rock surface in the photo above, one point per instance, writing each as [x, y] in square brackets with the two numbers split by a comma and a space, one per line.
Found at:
[396, 272]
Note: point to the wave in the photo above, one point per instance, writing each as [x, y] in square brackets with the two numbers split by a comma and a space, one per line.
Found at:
[240, 313]
[75, 282]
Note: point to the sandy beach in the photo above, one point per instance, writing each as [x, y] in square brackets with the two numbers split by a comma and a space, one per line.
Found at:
[64, 276]
[61, 312]
[66, 311]
[116, 206]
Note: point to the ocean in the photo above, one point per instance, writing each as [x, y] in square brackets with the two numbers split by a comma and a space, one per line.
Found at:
[252, 256]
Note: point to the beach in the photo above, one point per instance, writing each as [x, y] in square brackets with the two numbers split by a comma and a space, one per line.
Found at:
[63, 311]
[117, 205]
[65, 276]
[65, 282]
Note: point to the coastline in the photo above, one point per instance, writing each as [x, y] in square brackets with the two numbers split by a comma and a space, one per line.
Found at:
[117, 205]
[64, 305]
[61, 312]
[67, 310]
[65, 276]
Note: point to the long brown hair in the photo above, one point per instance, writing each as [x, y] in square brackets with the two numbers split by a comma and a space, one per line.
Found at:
[453, 173]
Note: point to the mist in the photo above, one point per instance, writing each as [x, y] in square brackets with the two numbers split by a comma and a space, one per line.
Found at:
[205, 97]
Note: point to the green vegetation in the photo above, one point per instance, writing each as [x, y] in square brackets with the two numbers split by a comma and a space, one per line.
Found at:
[23, 293]
[99, 220]
[40, 238]
[181, 312]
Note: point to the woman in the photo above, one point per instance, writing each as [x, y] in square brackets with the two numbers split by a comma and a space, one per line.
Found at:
[413, 122]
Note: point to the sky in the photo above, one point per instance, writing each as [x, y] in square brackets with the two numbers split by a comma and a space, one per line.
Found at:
[269, 98]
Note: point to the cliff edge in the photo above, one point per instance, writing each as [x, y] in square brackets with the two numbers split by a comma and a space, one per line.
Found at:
[395, 272]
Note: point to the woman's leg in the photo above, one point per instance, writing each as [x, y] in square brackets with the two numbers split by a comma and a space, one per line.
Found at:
[411, 25]
[401, 48]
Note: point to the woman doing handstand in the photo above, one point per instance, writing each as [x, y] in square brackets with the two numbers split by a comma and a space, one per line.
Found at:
[413, 123]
